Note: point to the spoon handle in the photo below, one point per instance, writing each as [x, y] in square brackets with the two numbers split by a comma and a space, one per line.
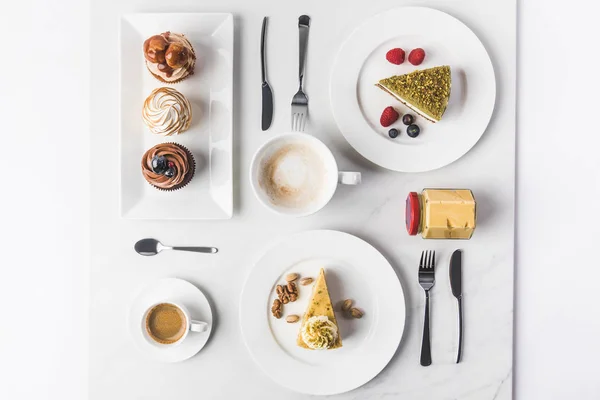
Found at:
[210, 250]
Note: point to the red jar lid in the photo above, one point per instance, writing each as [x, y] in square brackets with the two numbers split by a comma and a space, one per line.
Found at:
[413, 213]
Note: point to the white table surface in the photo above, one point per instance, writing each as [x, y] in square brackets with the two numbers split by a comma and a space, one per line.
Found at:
[374, 211]
[556, 333]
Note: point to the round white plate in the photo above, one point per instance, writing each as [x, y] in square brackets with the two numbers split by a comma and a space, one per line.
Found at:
[357, 103]
[354, 269]
[178, 291]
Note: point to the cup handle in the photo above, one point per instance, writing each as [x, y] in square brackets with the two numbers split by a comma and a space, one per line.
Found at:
[198, 326]
[349, 178]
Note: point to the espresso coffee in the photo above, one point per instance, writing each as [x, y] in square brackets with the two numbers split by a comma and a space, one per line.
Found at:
[293, 176]
[166, 323]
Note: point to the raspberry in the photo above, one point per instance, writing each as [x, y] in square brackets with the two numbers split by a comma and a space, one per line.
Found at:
[395, 56]
[170, 164]
[388, 117]
[416, 56]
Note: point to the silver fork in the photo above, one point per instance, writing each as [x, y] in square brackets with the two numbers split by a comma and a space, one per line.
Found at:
[426, 280]
[300, 101]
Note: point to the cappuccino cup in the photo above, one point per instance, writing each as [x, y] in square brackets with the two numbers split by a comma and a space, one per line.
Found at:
[295, 174]
[167, 324]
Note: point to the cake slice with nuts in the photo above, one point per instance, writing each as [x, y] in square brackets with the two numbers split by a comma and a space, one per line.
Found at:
[319, 329]
[425, 91]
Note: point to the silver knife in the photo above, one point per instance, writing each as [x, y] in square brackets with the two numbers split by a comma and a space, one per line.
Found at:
[456, 286]
[267, 94]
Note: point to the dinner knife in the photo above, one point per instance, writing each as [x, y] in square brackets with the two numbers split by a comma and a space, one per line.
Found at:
[267, 94]
[456, 286]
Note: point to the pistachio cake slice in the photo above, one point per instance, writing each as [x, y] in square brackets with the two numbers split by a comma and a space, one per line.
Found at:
[425, 91]
[319, 329]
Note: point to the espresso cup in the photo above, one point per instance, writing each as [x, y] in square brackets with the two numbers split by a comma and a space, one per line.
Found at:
[168, 324]
[295, 174]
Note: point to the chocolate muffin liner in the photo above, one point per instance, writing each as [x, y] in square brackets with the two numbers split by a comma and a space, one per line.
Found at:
[188, 176]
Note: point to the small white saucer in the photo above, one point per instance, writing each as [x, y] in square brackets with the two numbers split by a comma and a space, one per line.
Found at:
[178, 291]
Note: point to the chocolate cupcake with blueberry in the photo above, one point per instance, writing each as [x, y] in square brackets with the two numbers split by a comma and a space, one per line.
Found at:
[168, 166]
[170, 57]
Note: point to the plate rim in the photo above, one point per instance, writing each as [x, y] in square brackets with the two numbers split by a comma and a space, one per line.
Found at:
[400, 311]
[386, 163]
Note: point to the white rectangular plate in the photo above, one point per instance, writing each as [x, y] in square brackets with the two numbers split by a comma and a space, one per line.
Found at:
[210, 193]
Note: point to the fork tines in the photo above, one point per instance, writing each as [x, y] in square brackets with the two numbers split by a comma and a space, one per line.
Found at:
[427, 260]
[298, 122]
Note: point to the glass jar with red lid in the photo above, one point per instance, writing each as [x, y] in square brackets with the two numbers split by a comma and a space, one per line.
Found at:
[441, 213]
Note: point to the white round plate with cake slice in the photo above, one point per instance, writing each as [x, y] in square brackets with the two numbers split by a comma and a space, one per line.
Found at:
[357, 103]
[353, 269]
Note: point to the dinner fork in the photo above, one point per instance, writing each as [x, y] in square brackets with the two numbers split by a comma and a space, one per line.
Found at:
[300, 101]
[426, 280]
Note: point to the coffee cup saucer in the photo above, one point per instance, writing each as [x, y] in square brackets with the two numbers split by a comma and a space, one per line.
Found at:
[177, 291]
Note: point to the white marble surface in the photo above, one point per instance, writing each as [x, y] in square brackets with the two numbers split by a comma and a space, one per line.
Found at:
[374, 212]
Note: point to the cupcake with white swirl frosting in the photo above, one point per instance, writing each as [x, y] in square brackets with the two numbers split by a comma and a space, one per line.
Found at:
[167, 112]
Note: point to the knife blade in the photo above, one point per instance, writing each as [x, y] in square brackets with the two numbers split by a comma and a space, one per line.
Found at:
[267, 106]
[267, 93]
[456, 286]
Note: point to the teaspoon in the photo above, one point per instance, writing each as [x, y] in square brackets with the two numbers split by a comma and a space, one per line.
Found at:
[151, 247]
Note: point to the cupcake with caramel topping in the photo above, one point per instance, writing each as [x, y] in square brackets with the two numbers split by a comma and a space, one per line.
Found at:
[169, 56]
[168, 166]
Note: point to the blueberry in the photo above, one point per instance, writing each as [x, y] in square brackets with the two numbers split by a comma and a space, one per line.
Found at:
[394, 133]
[408, 119]
[170, 172]
[413, 131]
[159, 164]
